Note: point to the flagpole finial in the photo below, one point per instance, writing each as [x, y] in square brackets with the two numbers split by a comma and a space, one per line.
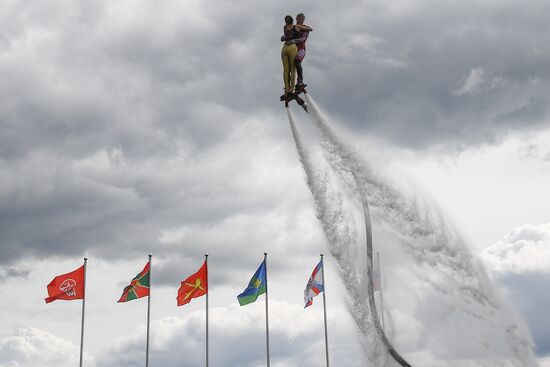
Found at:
[206, 255]
[265, 253]
[85, 259]
[150, 255]
[322, 255]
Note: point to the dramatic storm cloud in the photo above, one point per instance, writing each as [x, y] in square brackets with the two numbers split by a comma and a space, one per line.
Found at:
[133, 127]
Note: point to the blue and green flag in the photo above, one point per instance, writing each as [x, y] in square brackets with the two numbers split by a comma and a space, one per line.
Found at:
[256, 286]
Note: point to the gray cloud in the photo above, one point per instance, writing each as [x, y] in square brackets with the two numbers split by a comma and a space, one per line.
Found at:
[526, 292]
[520, 263]
[433, 49]
[7, 273]
[111, 138]
[109, 208]
[118, 79]
[31, 346]
[130, 128]
[524, 249]
[239, 342]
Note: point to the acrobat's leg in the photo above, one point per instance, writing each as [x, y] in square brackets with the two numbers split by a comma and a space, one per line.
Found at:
[299, 71]
[298, 62]
[293, 51]
[286, 67]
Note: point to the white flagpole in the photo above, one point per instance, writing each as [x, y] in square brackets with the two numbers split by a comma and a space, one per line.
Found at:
[83, 309]
[148, 313]
[380, 289]
[266, 311]
[206, 261]
[325, 309]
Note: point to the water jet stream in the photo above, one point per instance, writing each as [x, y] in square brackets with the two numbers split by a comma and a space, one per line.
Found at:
[446, 271]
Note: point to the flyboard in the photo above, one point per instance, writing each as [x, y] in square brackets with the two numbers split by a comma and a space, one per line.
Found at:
[289, 96]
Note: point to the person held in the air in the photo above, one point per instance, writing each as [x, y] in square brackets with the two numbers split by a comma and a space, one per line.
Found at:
[294, 40]
[301, 45]
[288, 55]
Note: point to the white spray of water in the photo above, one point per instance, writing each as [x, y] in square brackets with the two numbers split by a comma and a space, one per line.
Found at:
[446, 301]
[337, 220]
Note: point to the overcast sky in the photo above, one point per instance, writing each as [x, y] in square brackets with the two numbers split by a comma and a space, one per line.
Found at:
[131, 127]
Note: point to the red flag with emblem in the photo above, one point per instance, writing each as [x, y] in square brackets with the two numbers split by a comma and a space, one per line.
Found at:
[67, 287]
[194, 286]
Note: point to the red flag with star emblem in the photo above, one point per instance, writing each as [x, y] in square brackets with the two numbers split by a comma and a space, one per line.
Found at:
[67, 286]
[194, 286]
